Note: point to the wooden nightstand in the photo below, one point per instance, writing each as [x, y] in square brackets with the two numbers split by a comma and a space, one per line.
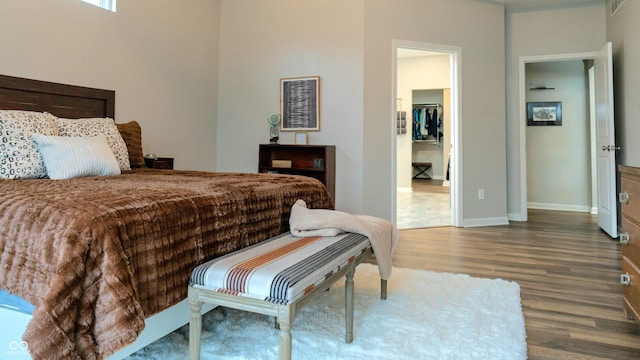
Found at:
[316, 161]
[159, 163]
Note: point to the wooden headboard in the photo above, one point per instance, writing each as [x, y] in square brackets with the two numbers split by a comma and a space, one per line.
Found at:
[67, 101]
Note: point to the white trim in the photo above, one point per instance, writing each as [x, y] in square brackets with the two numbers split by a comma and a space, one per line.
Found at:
[455, 178]
[515, 217]
[559, 207]
[495, 221]
[522, 123]
[393, 130]
[405, 189]
[592, 135]
[522, 99]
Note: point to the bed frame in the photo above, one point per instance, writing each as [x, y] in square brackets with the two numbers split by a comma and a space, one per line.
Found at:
[61, 100]
[70, 101]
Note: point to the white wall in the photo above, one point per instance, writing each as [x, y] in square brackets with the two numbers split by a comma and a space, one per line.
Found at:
[264, 41]
[417, 73]
[478, 29]
[622, 31]
[534, 33]
[349, 44]
[551, 183]
[160, 57]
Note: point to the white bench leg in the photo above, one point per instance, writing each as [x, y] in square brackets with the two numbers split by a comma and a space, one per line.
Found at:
[195, 325]
[348, 306]
[284, 320]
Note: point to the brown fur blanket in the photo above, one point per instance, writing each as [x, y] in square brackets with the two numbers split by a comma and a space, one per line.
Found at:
[97, 255]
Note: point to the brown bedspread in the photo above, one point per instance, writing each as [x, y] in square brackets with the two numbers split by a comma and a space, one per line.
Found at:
[98, 255]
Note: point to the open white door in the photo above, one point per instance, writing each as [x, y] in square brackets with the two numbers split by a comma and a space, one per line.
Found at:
[605, 142]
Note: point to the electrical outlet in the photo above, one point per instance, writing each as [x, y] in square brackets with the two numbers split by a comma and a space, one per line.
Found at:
[480, 194]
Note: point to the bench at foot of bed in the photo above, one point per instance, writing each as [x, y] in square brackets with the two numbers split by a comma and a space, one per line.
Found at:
[277, 277]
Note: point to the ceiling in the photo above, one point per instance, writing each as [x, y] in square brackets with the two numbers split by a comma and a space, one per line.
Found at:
[532, 4]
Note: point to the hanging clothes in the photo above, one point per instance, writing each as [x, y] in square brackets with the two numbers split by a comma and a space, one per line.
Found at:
[417, 124]
[433, 123]
[426, 121]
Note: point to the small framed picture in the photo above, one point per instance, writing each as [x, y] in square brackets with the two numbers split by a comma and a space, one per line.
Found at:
[302, 138]
[544, 113]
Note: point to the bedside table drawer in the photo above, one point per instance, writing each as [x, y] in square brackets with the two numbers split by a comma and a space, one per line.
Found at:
[159, 163]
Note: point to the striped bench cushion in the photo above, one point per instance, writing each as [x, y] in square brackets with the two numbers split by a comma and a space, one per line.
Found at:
[281, 269]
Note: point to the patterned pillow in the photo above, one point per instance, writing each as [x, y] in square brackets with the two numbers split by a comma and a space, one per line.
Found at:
[132, 135]
[19, 157]
[68, 157]
[94, 127]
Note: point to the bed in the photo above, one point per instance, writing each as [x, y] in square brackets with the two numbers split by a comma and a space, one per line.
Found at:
[106, 260]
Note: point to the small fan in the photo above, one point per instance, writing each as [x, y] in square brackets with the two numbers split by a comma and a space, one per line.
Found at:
[274, 131]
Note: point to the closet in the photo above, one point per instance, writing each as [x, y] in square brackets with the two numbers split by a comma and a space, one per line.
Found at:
[427, 122]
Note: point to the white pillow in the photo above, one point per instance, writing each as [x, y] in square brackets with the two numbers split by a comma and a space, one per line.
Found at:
[68, 157]
[19, 158]
[97, 126]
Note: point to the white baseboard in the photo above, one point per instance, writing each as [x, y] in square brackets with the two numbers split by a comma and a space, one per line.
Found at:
[559, 207]
[521, 217]
[404, 189]
[485, 222]
[516, 217]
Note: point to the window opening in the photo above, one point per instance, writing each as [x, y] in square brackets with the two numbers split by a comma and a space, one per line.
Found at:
[105, 4]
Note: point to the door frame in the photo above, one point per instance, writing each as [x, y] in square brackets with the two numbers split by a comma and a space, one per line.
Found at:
[455, 173]
[522, 93]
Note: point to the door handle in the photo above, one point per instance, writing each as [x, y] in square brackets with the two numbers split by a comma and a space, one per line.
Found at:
[610, 148]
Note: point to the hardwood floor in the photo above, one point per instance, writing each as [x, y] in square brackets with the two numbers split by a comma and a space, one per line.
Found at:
[568, 271]
[429, 186]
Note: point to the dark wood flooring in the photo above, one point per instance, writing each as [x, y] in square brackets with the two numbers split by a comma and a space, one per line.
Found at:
[568, 271]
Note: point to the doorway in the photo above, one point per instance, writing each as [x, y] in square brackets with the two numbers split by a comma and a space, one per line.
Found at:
[589, 91]
[560, 136]
[424, 183]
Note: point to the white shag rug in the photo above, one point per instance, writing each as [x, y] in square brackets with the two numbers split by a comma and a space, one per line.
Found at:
[427, 316]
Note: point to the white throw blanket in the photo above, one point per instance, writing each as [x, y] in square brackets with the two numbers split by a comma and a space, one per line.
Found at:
[382, 234]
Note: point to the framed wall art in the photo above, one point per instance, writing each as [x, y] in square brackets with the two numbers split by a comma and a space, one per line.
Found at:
[544, 113]
[301, 138]
[300, 103]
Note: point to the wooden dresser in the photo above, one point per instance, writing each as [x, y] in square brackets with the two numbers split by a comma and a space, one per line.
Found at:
[630, 239]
